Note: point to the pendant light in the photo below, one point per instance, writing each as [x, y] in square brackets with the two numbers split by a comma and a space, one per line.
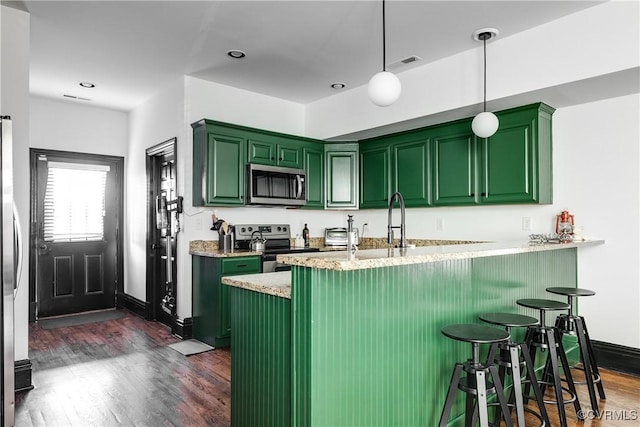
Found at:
[384, 87]
[486, 123]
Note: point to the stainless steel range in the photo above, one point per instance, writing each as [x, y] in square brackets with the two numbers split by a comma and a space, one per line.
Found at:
[278, 241]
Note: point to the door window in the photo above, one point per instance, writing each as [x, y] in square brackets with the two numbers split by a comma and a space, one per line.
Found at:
[78, 215]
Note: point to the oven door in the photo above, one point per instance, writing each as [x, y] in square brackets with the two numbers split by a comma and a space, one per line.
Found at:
[269, 264]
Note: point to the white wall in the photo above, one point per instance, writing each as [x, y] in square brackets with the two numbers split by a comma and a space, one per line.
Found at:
[77, 127]
[14, 101]
[157, 120]
[576, 47]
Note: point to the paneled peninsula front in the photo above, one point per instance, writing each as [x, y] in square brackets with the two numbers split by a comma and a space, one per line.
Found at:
[344, 341]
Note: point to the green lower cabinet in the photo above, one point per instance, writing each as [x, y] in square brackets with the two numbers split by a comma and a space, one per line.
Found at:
[210, 298]
[261, 368]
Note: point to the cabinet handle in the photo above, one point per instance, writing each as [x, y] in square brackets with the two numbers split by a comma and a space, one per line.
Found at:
[472, 194]
[272, 158]
[483, 194]
[280, 159]
[242, 265]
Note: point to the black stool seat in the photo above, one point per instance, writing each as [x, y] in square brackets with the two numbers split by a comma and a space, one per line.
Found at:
[509, 319]
[573, 292]
[543, 304]
[475, 333]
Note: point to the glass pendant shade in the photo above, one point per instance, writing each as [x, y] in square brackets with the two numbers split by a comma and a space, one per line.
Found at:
[485, 124]
[384, 88]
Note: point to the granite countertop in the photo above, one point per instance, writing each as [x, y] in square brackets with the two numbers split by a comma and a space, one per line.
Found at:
[209, 248]
[375, 258]
[277, 284]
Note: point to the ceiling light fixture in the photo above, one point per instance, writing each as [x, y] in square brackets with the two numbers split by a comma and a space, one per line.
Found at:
[87, 85]
[384, 87]
[338, 86]
[236, 54]
[486, 123]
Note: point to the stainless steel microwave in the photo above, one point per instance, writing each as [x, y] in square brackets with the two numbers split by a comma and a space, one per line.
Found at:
[275, 185]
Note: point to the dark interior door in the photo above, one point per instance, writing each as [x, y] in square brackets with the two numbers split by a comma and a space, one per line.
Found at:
[77, 212]
[161, 172]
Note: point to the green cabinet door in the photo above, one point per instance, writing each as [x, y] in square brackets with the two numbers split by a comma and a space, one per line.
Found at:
[411, 170]
[341, 176]
[210, 304]
[275, 150]
[218, 165]
[454, 164]
[314, 169]
[375, 182]
[261, 152]
[516, 161]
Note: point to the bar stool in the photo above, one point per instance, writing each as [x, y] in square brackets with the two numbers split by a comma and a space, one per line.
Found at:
[475, 384]
[509, 359]
[575, 325]
[549, 338]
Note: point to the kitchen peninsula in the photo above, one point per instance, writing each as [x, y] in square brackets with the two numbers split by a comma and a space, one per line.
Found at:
[357, 341]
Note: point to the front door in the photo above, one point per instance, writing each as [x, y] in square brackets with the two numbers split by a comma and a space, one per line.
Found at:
[77, 208]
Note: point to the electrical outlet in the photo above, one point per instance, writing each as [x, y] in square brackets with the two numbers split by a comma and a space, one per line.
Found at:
[439, 224]
[526, 223]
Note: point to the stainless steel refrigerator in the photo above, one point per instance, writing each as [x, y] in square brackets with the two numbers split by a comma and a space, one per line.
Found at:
[9, 255]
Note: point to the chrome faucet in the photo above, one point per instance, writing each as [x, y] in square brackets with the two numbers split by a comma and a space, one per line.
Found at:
[403, 238]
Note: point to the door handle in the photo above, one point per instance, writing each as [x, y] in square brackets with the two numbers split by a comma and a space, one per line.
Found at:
[155, 246]
[43, 247]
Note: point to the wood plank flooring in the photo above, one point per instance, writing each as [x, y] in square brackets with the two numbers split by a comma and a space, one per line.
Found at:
[121, 373]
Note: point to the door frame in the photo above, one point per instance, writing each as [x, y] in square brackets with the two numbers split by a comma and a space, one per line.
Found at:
[117, 165]
[167, 147]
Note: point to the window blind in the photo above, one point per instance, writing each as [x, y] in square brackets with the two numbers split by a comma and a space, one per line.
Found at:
[74, 202]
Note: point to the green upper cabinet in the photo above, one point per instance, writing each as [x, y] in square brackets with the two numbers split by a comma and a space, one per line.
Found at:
[341, 176]
[399, 162]
[512, 166]
[411, 166]
[222, 150]
[375, 174]
[516, 161]
[454, 164]
[219, 155]
[275, 151]
[313, 156]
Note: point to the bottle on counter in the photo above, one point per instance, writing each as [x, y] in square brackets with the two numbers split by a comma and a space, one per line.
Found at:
[299, 242]
[305, 236]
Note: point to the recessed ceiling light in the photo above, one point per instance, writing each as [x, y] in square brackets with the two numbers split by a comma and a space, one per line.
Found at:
[236, 54]
[338, 86]
[87, 85]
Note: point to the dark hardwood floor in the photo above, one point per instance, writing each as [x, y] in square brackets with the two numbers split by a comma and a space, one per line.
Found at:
[121, 372]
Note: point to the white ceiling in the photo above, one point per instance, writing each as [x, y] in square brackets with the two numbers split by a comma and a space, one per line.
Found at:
[295, 49]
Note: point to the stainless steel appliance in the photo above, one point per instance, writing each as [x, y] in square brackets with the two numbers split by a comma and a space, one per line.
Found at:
[8, 251]
[274, 185]
[276, 238]
[338, 236]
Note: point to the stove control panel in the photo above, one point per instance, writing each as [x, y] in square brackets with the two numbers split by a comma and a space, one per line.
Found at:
[268, 231]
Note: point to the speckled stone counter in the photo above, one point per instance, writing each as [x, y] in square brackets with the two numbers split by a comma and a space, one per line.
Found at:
[209, 248]
[277, 284]
[376, 258]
